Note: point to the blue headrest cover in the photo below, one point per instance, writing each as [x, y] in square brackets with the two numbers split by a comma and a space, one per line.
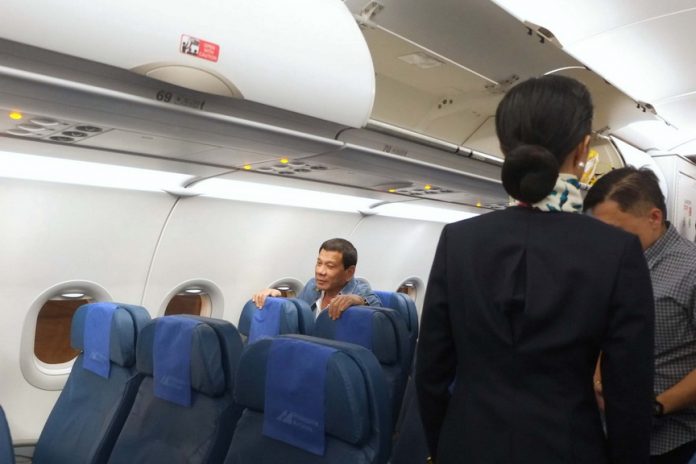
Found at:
[295, 409]
[288, 317]
[126, 322]
[266, 321]
[384, 338]
[385, 298]
[207, 369]
[347, 415]
[171, 359]
[305, 316]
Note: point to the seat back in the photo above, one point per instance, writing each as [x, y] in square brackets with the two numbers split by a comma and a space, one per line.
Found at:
[6, 449]
[380, 330]
[406, 307]
[310, 401]
[412, 311]
[183, 412]
[410, 444]
[100, 389]
[277, 317]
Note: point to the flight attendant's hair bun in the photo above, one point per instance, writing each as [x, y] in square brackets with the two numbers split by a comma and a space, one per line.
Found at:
[529, 173]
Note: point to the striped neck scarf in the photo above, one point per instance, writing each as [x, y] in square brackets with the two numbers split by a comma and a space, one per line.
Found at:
[564, 197]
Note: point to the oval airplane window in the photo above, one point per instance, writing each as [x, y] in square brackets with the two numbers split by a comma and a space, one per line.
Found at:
[286, 291]
[198, 297]
[52, 336]
[45, 353]
[289, 287]
[410, 288]
[193, 300]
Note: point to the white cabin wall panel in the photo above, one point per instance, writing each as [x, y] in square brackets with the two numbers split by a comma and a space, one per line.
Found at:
[26, 408]
[685, 204]
[681, 198]
[241, 247]
[54, 233]
[62, 232]
[392, 250]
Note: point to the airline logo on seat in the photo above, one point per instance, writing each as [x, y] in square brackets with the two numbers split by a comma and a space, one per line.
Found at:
[199, 48]
[297, 420]
[173, 382]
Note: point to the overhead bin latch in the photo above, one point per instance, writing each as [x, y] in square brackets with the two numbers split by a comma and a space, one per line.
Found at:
[649, 108]
[644, 106]
[369, 11]
[602, 132]
[502, 86]
[543, 34]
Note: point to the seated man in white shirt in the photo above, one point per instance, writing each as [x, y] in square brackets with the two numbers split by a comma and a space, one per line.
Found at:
[334, 286]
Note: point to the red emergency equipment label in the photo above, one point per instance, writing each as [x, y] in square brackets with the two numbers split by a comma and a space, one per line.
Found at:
[199, 48]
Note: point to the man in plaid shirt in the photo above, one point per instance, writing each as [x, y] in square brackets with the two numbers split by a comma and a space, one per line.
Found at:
[631, 199]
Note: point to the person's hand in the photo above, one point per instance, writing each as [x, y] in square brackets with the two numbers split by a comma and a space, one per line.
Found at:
[599, 396]
[343, 302]
[260, 298]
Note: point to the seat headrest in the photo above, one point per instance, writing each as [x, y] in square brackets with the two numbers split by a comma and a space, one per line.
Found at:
[305, 316]
[288, 319]
[126, 323]
[347, 413]
[6, 451]
[395, 301]
[383, 341]
[211, 369]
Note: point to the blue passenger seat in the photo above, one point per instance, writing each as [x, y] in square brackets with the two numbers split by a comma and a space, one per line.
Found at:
[6, 450]
[380, 330]
[279, 316]
[98, 394]
[404, 305]
[310, 401]
[410, 444]
[184, 411]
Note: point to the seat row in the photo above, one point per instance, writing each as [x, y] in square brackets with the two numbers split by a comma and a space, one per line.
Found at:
[297, 317]
[184, 389]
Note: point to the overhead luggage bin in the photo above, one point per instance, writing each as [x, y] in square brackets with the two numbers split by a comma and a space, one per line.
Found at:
[443, 67]
[306, 56]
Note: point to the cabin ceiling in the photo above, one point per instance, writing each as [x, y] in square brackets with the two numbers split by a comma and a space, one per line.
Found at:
[441, 69]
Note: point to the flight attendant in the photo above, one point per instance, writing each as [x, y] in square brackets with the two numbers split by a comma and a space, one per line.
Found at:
[520, 303]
